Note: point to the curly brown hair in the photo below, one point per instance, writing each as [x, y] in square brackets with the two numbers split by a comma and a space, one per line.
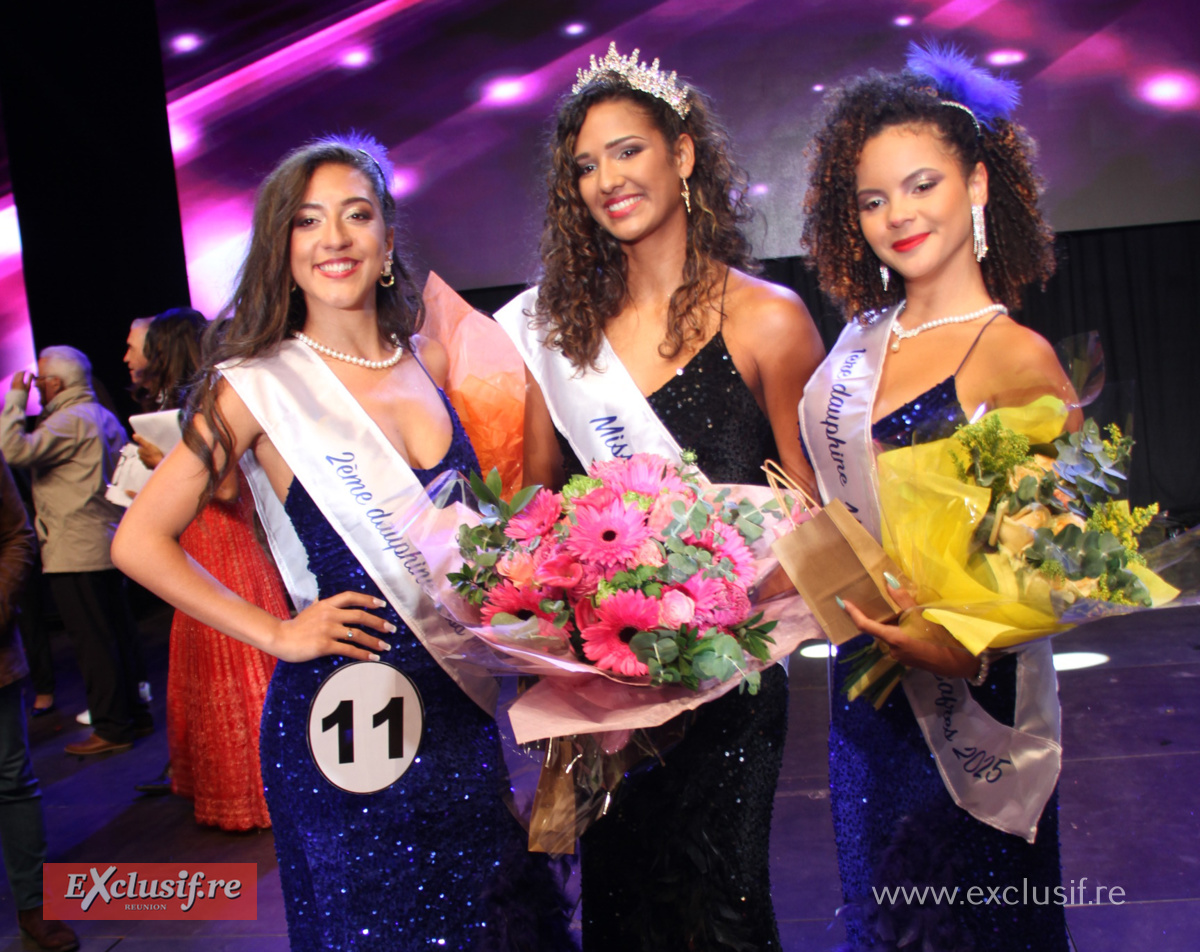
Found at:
[583, 281]
[1021, 243]
[267, 307]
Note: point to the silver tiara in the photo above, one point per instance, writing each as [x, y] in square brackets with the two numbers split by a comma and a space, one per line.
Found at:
[648, 79]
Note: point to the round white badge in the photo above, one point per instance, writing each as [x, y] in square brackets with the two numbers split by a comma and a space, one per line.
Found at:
[365, 725]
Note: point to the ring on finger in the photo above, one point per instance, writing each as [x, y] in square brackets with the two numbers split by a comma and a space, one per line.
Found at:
[349, 634]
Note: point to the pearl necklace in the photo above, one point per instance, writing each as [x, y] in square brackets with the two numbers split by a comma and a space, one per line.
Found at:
[350, 358]
[902, 334]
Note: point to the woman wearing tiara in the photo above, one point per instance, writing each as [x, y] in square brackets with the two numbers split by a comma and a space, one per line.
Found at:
[388, 815]
[922, 220]
[648, 334]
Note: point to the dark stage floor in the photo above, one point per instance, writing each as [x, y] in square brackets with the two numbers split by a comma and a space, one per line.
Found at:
[1128, 802]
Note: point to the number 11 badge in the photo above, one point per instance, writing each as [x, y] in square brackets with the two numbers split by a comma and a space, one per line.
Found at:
[365, 725]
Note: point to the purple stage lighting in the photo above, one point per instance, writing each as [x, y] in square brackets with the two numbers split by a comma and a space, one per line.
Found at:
[575, 29]
[185, 42]
[904, 20]
[818, 87]
[509, 91]
[760, 188]
[356, 58]
[1006, 57]
[404, 182]
[1174, 89]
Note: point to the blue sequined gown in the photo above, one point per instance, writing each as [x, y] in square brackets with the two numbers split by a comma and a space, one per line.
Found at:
[894, 821]
[434, 861]
[682, 861]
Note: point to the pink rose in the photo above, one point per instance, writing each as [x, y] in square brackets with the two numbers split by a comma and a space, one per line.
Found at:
[675, 609]
[648, 553]
[559, 570]
[661, 514]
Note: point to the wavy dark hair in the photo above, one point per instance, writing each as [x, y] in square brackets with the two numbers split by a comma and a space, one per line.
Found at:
[1020, 242]
[583, 267]
[172, 351]
[266, 306]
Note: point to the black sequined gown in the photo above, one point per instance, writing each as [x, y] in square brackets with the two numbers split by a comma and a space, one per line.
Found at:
[681, 860]
[894, 821]
[435, 861]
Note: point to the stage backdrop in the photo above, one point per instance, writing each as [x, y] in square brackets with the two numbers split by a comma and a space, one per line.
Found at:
[460, 92]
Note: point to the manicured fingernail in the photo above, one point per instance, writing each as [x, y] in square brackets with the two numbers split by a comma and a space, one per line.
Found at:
[380, 603]
[373, 657]
[892, 581]
[390, 627]
[384, 646]
[840, 603]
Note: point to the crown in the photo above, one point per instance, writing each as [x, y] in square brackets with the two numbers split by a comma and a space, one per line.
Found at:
[639, 76]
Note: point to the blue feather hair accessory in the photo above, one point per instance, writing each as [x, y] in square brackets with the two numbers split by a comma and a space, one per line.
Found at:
[960, 82]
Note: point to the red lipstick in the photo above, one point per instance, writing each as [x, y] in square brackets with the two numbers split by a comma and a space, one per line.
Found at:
[907, 244]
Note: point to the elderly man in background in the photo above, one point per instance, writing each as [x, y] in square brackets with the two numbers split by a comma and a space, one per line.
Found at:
[71, 453]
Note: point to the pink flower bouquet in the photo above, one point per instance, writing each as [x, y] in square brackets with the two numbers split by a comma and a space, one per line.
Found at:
[635, 569]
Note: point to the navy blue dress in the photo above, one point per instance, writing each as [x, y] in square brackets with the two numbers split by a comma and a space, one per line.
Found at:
[433, 861]
[894, 821]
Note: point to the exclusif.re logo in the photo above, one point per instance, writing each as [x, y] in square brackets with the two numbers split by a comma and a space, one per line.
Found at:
[150, 890]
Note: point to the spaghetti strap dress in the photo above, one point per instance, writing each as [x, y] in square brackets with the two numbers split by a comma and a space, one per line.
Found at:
[433, 861]
[681, 861]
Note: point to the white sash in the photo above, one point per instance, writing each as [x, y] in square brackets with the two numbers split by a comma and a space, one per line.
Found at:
[601, 412]
[361, 485]
[1001, 775]
[835, 418]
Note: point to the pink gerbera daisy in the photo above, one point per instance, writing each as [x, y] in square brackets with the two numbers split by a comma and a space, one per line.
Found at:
[537, 518]
[607, 536]
[618, 618]
[726, 542]
[644, 473]
[523, 603]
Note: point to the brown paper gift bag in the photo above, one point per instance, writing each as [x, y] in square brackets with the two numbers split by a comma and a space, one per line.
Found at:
[832, 555]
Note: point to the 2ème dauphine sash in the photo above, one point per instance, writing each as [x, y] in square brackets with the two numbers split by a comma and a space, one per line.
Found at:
[1001, 775]
[601, 412]
[362, 486]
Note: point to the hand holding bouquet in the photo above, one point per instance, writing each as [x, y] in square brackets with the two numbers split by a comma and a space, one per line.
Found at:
[1010, 530]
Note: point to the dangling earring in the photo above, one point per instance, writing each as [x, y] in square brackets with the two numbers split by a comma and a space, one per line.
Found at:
[884, 275]
[386, 278]
[686, 192]
[979, 228]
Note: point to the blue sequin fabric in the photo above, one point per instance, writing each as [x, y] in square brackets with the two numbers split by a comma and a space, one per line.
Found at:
[434, 861]
[681, 862]
[894, 821]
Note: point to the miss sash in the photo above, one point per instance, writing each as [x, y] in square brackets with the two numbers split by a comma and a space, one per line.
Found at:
[1001, 775]
[362, 486]
[601, 412]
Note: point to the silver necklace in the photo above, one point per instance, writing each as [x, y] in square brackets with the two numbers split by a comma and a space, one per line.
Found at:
[350, 358]
[902, 334]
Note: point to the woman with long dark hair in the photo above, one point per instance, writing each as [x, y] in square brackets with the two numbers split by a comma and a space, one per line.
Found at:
[649, 332]
[922, 219]
[384, 777]
[215, 685]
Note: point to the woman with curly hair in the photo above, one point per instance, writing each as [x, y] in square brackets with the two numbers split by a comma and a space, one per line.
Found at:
[649, 333]
[385, 777]
[923, 223]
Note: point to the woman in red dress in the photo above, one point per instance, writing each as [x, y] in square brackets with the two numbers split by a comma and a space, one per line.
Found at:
[215, 684]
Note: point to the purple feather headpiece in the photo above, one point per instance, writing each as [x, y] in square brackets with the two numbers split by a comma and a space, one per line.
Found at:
[960, 82]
